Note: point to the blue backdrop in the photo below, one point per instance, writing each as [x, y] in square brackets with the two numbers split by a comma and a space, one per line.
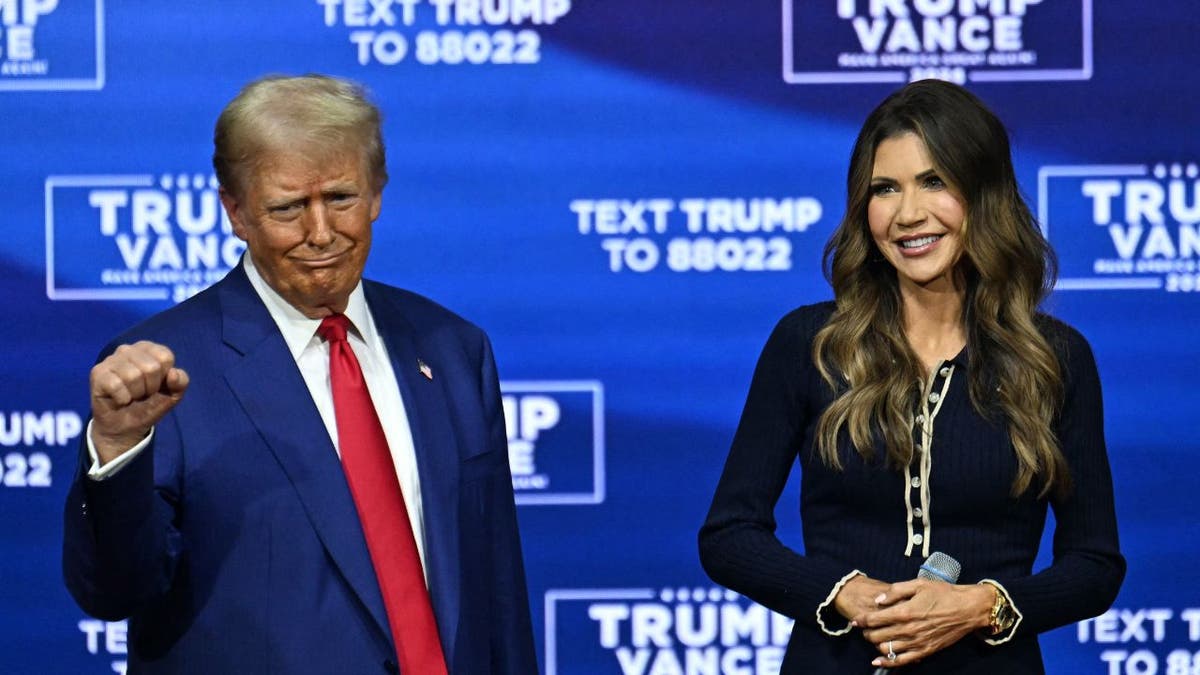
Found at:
[626, 195]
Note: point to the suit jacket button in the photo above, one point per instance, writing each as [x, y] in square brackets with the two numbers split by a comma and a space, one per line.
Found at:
[390, 666]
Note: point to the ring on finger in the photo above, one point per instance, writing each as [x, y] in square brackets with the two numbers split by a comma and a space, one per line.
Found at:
[891, 655]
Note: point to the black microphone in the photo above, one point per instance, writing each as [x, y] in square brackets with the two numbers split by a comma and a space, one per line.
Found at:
[937, 567]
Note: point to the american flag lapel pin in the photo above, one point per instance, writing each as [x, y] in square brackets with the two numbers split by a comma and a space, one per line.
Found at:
[425, 369]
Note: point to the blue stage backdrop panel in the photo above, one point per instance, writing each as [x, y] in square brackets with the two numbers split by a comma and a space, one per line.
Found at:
[626, 195]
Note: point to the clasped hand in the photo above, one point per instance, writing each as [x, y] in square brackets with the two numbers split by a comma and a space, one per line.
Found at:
[913, 619]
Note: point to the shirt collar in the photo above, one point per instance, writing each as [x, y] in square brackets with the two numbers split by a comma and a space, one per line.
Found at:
[299, 330]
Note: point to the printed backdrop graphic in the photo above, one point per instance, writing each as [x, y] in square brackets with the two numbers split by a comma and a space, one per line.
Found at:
[626, 195]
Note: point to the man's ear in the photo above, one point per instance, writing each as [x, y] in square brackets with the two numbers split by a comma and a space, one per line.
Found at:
[376, 205]
[237, 218]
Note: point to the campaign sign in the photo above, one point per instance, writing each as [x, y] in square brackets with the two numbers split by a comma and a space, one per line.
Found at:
[896, 41]
[136, 237]
[555, 441]
[666, 631]
[1123, 226]
[48, 46]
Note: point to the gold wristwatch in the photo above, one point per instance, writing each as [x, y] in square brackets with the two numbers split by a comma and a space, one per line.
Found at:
[1002, 617]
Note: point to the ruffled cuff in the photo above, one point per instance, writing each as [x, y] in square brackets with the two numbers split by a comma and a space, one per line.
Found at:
[825, 610]
[1007, 635]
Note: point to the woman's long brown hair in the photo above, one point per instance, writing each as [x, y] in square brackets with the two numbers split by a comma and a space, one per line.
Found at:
[1007, 268]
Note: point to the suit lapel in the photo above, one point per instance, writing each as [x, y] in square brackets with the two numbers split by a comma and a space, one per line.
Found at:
[429, 416]
[270, 388]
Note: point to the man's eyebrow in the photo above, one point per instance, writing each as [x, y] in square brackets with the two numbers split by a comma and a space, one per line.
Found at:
[285, 200]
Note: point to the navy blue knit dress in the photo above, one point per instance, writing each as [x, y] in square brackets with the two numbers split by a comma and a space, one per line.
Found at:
[954, 497]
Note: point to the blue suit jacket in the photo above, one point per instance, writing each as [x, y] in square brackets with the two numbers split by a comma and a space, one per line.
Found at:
[233, 544]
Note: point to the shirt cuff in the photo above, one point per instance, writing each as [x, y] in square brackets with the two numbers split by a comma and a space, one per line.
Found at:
[825, 609]
[97, 472]
[1007, 635]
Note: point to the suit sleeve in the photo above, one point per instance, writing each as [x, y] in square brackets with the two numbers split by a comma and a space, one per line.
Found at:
[1087, 569]
[738, 545]
[120, 545]
[512, 648]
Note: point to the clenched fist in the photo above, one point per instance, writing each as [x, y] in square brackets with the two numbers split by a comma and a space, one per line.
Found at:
[132, 390]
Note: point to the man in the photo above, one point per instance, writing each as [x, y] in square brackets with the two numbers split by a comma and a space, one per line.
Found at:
[326, 488]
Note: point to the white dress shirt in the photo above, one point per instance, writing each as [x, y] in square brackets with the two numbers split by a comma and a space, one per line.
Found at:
[312, 358]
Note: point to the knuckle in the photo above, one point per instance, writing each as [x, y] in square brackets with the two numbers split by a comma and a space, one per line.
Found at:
[162, 353]
[148, 366]
[109, 362]
[105, 379]
[125, 370]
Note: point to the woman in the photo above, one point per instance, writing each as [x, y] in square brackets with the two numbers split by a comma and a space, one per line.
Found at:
[931, 408]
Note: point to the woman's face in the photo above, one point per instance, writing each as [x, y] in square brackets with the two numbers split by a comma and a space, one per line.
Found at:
[916, 218]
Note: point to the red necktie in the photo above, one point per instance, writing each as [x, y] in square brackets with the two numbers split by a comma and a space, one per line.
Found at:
[380, 503]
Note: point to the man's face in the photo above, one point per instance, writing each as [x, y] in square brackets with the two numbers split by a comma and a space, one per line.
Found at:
[307, 225]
